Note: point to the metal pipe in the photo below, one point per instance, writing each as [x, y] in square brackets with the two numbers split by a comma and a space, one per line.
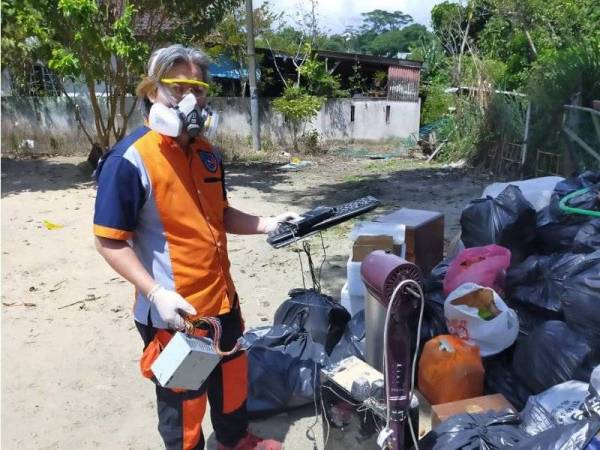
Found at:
[254, 113]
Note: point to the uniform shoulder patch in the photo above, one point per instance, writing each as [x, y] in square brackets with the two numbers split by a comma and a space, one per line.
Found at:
[209, 160]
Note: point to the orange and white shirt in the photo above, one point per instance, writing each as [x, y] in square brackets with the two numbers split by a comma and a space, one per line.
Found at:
[169, 205]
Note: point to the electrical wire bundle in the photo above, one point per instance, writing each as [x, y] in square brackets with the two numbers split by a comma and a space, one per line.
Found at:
[215, 325]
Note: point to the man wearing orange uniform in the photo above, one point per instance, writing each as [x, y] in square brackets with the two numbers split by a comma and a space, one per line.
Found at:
[160, 221]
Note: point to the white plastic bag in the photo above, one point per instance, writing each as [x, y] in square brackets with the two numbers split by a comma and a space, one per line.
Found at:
[492, 336]
[560, 405]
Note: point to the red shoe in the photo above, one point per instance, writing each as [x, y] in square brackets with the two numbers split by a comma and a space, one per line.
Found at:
[252, 442]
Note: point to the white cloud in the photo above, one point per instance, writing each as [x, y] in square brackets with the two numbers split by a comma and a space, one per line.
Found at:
[336, 15]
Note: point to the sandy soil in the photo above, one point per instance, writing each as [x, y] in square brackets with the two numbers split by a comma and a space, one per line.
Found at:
[69, 348]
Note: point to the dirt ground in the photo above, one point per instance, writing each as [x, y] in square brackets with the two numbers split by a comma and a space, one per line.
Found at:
[70, 351]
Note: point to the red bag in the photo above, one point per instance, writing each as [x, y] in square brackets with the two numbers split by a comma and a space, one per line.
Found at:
[450, 369]
[485, 266]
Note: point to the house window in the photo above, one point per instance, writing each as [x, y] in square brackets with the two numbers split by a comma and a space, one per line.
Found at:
[351, 113]
[387, 113]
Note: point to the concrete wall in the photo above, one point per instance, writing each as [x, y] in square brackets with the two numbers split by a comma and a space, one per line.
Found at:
[48, 124]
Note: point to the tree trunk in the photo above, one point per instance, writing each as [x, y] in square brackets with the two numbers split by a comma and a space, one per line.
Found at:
[531, 44]
[295, 136]
[462, 50]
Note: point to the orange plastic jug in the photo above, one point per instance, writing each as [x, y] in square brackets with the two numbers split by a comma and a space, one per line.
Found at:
[450, 369]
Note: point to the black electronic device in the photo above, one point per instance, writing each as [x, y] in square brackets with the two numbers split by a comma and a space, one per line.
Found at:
[318, 219]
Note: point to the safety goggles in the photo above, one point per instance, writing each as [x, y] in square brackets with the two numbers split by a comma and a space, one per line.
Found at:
[179, 87]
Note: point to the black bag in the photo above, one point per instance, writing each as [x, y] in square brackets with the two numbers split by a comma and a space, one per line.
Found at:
[500, 378]
[556, 287]
[283, 368]
[587, 239]
[434, 281]
[553, 354]
[353, 342]
[284, 360]
[556, 230]
[581, 299]
[434, 321]
[486, 431]
[316, 313]
[508, 220]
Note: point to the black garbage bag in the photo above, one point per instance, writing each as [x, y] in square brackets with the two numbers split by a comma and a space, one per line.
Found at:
[576, 436]
[580, 300]
[353, 341]
[553, 354]
[434, 281]
[552, 287]
[486, 431]
[556, 230]
[501, 379]
[284, 361]
[587, 239]
[316, 313]
[283, 367]
[508, 220]
[434, 321]
[588, 178]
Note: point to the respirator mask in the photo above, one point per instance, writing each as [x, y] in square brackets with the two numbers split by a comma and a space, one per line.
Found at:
[186, 115]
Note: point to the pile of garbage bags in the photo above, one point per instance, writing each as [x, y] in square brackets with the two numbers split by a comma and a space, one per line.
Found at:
[523, 285]
[564, 417]
[549, 277]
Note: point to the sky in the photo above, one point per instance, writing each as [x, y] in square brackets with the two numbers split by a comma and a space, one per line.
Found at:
[336, 15]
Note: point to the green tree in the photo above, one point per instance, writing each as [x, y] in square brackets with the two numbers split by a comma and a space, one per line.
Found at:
[390, 43]
[318, 81]
[379, 21]
[107, 42]
[298, 107]
[229, 37]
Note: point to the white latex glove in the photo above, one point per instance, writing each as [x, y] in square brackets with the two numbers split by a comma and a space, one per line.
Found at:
[271, 223]
[170, 305]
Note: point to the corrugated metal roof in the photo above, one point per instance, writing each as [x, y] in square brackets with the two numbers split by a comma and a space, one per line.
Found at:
[403, 83]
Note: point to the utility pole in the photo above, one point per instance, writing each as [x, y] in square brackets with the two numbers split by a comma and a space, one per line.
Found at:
[252, 76]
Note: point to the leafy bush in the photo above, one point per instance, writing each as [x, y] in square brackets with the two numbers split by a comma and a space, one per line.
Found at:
[436, 103]
[309, 142]
[462, 131]
[319, 81]
[298, 107]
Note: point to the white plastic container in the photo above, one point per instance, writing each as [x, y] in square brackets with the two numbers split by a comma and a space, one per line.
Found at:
[395, 230]
[353, 303]
[353, 278]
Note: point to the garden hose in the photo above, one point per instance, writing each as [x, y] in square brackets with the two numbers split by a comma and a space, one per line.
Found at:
[563, 204]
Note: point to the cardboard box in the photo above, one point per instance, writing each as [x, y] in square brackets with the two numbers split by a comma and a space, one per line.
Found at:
[366, 244]
[494, 402]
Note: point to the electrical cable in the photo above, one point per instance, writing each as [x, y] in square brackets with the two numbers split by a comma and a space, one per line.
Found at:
[309, 430]
[393, 297]
[215, 325]
[324, 257]
[299, 257]
[311, 267]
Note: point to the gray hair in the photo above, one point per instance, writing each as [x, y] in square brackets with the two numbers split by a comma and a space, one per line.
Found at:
[163, 60]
